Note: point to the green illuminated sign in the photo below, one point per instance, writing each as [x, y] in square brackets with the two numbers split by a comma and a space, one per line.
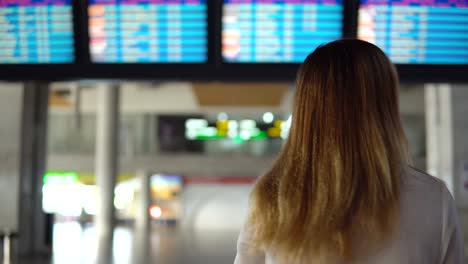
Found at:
[60, 178]
[238, 131]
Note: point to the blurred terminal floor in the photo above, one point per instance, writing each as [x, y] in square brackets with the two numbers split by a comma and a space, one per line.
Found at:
[77, 244]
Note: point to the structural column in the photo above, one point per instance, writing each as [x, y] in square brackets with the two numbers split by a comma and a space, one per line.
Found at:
[11, 107]
[107, 141]
[32, 220]
[141, 243]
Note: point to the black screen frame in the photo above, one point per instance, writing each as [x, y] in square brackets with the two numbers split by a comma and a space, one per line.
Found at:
[426, 73]
[215, 69]
[271, 71]
[408, 73]
[84, 68]
[47, 71]
[142, 71]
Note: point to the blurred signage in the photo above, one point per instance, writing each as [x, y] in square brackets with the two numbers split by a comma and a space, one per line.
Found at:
[72, 177]
[166, 187]
[238, 131]
[171, 134]
[219, 180]
[60, 178]
[62, 194]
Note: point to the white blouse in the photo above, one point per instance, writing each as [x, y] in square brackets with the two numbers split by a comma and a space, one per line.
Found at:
[429, 230]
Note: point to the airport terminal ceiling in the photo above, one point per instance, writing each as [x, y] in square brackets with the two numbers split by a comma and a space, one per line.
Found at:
[232, 40]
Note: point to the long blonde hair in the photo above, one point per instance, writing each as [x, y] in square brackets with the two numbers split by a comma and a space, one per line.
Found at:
[339, 172]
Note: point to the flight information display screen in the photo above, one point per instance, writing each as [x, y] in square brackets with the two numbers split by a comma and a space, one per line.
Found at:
[417, 31]
[276, 31]
[148, 31]
[36, 31]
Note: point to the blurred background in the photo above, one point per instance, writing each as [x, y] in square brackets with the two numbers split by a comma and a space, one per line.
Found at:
[197, 148]
[133, 131]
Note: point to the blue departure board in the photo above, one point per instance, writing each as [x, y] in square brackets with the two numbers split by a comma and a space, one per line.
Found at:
[417, 31]
[276, 31]
[36, 31]
[148, 31]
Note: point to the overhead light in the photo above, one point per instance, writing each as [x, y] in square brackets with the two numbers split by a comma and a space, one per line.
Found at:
[223, 116]
[268, 117]
[248, 124]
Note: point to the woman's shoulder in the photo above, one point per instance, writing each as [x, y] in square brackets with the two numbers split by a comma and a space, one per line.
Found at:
[429, 217]
[423, 197]
[417, 180]
[424, 201]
